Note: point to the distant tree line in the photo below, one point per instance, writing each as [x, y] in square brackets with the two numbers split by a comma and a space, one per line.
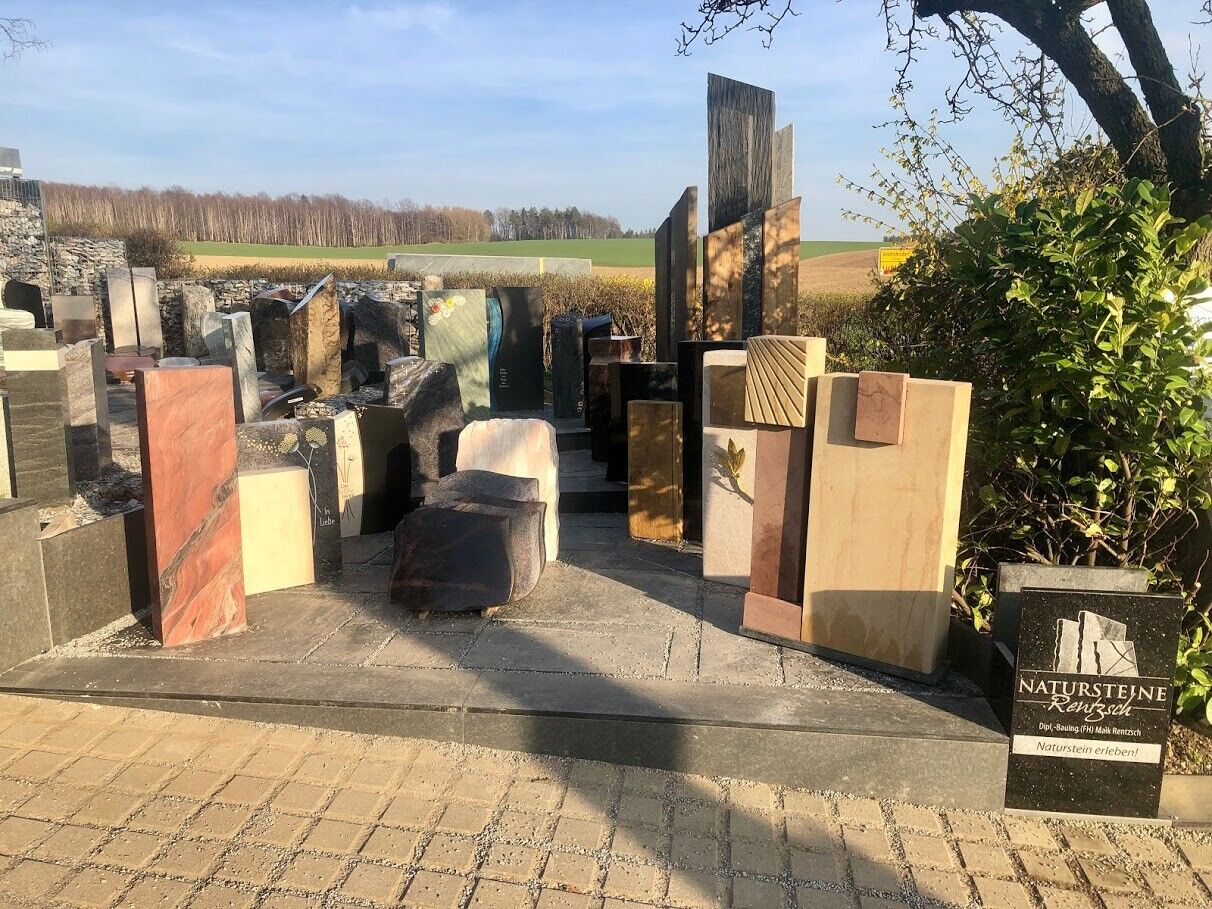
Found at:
[303, 220]
[555, 224]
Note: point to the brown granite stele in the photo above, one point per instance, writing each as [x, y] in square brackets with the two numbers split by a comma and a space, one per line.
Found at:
[315, 339]
[187, 438]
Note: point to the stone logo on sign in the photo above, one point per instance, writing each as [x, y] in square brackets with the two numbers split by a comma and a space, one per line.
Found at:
[1092, 702]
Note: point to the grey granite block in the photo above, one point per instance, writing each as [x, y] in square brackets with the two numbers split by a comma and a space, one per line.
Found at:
[41, 419]
[24, 625]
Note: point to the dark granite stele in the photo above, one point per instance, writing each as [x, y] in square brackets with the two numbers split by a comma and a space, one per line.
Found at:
[634, 382]
[517, 368]
[1092, 702]
[26, 297]
[307, 443]
[96, 574]
[427, 394]
[379, 334]
[387, 458]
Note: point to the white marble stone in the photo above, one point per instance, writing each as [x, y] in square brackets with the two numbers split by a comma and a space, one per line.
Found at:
[728, 503]
[275, 529]
[212, 336]
[349, 472]
[519, 448]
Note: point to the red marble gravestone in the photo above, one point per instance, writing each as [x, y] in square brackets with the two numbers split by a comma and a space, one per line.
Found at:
[187, 436]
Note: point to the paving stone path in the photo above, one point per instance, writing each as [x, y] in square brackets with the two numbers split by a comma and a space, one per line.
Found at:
[112, 807]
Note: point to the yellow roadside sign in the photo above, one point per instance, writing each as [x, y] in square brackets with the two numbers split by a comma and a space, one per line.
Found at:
[893, 257]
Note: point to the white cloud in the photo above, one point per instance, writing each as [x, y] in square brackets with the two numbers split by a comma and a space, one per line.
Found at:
[402, 17]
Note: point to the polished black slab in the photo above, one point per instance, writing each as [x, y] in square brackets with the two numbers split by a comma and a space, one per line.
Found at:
[634, 382]
[517, 375]
[427, 393]
[28, 297]
[386, 467]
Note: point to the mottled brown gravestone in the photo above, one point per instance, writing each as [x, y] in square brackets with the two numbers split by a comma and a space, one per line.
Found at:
[723, 270]
[654, 471]
[780, 512]
[603, 352]
[780, 381]
[781, 269]
[880, 413]
[877, 585]
[315, 339]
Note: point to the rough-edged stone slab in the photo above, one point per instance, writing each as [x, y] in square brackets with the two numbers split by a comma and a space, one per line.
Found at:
[683, 272]
[75, 316]
[275, 529]
[95, 574]
[88, 408]
[188, 446]
[196, 301]
[24, 625]
[241, 357]
[387, 457]
[454, 558]
[517, 375]
[212, 336]
[309, 444]
[740, 132]
[349, 472]
[40, 416]
[26, 297]
[428, 394]
[454, 329]
[380, 334]
[519, 448]
[315, 338]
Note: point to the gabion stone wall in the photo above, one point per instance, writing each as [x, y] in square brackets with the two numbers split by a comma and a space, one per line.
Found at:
[23, 234]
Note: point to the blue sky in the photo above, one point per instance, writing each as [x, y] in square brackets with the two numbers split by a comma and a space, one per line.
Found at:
[479, 103]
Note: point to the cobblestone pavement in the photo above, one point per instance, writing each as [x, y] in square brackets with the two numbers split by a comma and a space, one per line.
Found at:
[108, 807]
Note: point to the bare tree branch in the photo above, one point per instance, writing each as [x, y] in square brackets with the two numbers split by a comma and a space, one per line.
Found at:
[18, 35]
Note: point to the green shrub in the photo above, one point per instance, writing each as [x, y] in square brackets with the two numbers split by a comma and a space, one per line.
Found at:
[1088, 442]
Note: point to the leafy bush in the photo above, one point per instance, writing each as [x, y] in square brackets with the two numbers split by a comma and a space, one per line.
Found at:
[1088, 441]
[150, 248]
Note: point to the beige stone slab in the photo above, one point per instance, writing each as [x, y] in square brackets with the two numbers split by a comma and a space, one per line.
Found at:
[781, 269]
[275, 529]
[350, 480]
[880, 415]
[780, 379]
[883, 522]
[724, 388]
[654, 470]
[518, 448]
[729, 470]
[723, 269]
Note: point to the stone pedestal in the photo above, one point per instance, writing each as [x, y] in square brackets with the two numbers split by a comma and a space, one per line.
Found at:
[690, 356]
[603, 352]
[40, 416]
[428, 395]
[517, 376]
[241, 357]
[634, 382]
[88, 408]
[728, 470]
[348, 447]
[454, 329]
[780, 377]
[309, 445]
[859, 604]
[275, 529]
[95, 574]
[196, 301]
[380, 334]
[188, 443]
[518, 448]
[387, 459]
[75, 317]
[24, 625]
[315, 339]
[654, 479]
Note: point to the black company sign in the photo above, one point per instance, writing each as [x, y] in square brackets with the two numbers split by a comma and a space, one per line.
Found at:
[1092, 702]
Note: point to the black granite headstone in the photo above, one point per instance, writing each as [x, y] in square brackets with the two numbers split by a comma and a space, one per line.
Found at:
[427, 393]
[1092, 702]
[517, 379]
[567, 374]
[380, 334]
[634, 382]
[740, 136]
[27, 297]
[454, 558]
[95, 574]
[387, 459]
[270, 314]
[462, 483]
[690, 393]
[597, 327]
[301, 443]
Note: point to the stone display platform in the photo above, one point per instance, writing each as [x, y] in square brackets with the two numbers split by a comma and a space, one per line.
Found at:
[622, 653]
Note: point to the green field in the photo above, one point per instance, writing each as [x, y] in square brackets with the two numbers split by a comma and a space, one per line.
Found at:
[637, 252]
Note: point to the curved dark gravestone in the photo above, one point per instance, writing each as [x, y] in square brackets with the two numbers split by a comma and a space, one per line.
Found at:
[428, 394]
[27, 297]
[284, 404]
[454, 558]
[483, 482]
[271, 330]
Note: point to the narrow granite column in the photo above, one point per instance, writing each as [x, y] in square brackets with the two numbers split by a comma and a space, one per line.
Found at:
[566, 372]
[88, 408]
[41, 418]
[238, 345]
[196, 301]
